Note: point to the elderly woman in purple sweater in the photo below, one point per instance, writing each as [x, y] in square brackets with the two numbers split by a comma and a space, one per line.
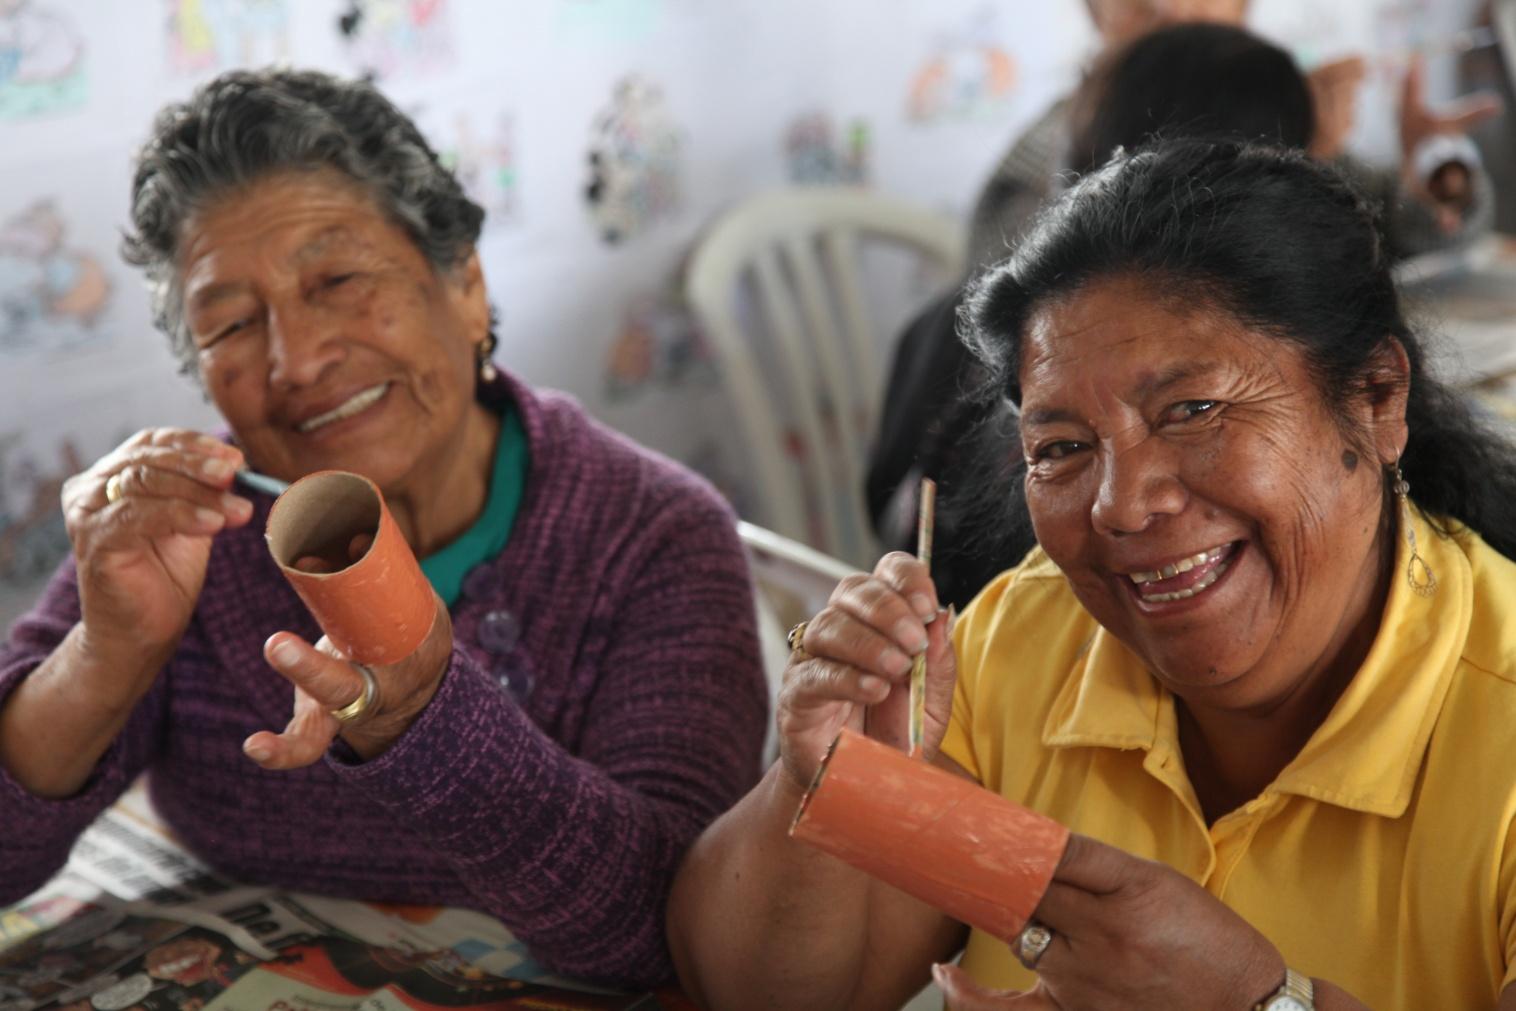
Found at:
[589, 696]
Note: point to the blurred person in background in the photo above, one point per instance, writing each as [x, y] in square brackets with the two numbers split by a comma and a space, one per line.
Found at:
[1197, 73]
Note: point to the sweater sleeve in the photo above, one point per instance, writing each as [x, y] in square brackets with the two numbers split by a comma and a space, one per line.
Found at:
[577, 852]
[37, 832]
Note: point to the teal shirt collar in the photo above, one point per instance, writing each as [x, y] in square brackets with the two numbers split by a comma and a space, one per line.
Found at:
[488, 535]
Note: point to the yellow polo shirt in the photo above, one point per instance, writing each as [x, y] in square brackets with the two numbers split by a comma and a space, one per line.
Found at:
[1383, 858]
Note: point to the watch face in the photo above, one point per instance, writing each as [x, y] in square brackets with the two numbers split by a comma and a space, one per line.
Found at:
[1286, 1004]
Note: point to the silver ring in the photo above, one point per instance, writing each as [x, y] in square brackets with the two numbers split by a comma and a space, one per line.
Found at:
[1032, 943]
[356, 708]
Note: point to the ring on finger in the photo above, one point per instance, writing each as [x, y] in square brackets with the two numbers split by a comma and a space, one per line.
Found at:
[113, 489]
[355, 709]
[1032, 943]
[796, 639]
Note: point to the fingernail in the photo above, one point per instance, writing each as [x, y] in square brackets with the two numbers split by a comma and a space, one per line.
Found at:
[871, 684]
[211, 442]
[285, 653]
[236, 505]
[216, 467]
[909, 634]
[922, 605]
[895, 662]
[257, 752]
[938, 976]
[209, 518]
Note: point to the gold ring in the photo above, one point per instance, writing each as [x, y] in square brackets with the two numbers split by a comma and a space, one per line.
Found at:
[356, 708]
[113, 489]
[796, 639]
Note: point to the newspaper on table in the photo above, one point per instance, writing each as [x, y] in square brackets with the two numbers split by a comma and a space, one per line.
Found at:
[135, 923]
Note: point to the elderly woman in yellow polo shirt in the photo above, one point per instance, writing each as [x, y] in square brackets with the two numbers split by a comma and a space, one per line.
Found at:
[1262, 662]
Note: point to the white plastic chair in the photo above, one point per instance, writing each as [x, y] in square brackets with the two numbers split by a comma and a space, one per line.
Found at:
[791, 582]
[800, 249]
[1503, 17]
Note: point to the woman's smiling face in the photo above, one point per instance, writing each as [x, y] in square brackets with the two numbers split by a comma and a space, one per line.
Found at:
[1205, 504]
[324, 336]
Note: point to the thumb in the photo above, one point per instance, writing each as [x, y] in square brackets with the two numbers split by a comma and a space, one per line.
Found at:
[961, 993]
[329, 680]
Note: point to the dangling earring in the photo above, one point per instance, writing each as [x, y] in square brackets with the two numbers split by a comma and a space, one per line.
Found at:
[484, 353]
[1418, 574]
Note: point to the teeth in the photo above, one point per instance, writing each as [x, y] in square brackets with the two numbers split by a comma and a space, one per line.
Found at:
[1183, 565]
[1205, 584]
[354, 404]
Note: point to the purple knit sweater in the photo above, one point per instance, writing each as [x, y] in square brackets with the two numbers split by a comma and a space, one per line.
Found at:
[603, 704]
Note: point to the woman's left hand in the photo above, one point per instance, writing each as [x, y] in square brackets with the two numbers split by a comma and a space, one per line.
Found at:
[325, 680]
[1132, 933]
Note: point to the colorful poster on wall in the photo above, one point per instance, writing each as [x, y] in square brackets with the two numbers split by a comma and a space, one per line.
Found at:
[817, 153]
[42, 60]
[635, 162]
[659, 347]
[481, 151]
[621, 21]
[398, 38]
[32, 536]
[52, 292]
[968, 74]
[206, 36]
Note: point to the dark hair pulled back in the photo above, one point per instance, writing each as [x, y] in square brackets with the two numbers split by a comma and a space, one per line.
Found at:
[1284, 244]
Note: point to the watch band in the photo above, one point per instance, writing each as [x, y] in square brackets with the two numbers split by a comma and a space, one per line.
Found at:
[1297, 992]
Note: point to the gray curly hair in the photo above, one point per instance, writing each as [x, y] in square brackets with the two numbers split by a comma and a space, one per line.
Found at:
[246, 124]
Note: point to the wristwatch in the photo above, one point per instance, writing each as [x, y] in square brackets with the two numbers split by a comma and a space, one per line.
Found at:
[1297, 994]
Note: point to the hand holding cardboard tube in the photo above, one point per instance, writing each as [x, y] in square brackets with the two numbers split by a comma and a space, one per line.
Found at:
[1126, 932]
[336, 542]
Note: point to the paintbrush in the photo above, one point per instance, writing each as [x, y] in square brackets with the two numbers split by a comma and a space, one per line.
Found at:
[924, 525]
[262, 482]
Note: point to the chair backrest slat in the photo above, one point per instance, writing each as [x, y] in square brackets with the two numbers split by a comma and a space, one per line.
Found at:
[801, 250]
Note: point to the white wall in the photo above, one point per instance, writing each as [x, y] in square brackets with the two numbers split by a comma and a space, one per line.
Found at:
[516, 88]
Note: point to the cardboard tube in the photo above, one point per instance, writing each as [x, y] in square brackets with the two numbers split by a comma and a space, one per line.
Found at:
[378, 609]
[976, 856]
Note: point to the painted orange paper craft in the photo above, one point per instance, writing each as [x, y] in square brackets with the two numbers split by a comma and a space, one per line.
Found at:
[976, 856]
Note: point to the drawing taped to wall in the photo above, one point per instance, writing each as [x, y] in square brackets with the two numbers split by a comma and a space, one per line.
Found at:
[619, 21]
[42, 60]
[206, 36]
[659, 346]
[635, 162]
[398, 38]
[486, 164]
[33, 539]
[52, 294]
[968, 74]
[815, 155]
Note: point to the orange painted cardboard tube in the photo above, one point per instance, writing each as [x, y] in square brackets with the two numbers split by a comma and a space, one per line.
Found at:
[954, 845]
[377, 609]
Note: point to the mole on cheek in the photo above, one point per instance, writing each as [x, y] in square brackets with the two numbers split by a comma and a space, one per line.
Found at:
[1349, 460]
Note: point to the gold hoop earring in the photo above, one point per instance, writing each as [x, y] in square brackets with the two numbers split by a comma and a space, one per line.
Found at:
[484, 353]
[1418, 574]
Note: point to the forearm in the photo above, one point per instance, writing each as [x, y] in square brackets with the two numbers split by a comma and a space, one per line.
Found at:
[757, 920]
[64, 715]
[575, 862]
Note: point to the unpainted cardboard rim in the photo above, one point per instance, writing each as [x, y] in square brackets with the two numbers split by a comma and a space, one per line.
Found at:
[307, 487]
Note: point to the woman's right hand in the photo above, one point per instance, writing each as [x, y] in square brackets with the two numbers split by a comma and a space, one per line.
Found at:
[853, 668]
[141, 559]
